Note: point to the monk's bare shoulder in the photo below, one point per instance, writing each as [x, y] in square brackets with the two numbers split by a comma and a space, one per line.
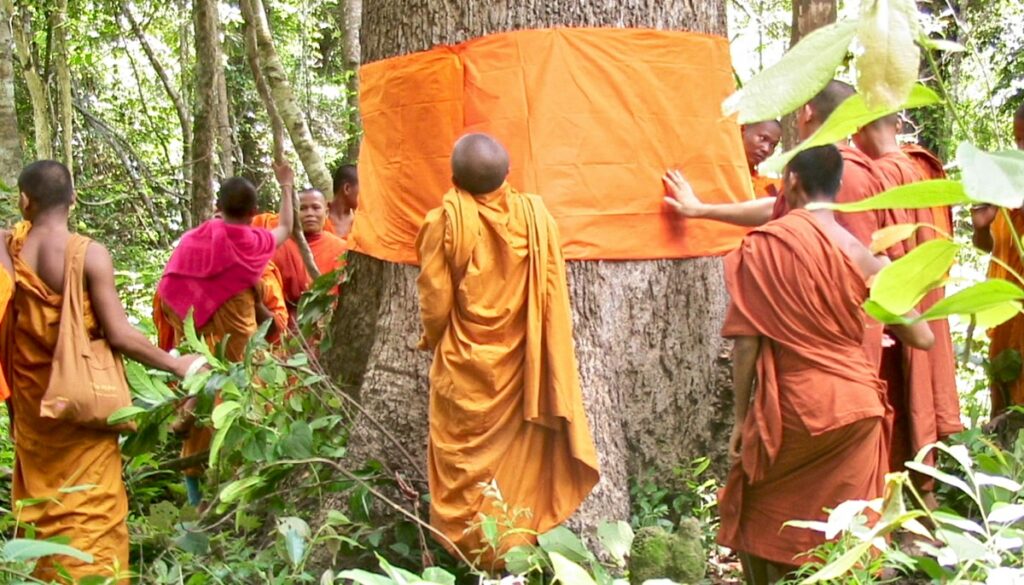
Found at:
[854, 250]
[98, 262]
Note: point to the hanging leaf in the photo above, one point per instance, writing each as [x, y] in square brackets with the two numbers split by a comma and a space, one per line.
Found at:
[888, 237]
[796, 78]
[223, 411]
[568, 572]
[898, 287]
[888, 58]
[992, 177]
[124, 414]
[851, 115]
[991, 295]
[918, 195]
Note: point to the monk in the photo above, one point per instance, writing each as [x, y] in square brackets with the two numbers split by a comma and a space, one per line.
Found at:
[216, 273]
[921, 384]
[993, 233]
[759, 142]
[328, 249]
[506, 408]
[346, 201]
[52, 455]
[812, 434]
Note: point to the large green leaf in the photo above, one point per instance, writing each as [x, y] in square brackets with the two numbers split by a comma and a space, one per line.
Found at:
[980, 298]
[295, 531]
[616, 537]
[796, 78]
[889, 59]
[919, 195]
[561, 540]
[24, 549]
[363, 577]
[124, 414]
[900, 286]
[238, 488]
[851, 115]
[568, 572]
[842, 565]
[992, 177]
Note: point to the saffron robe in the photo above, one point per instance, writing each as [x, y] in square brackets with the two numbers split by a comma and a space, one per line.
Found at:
[1008, 335]
[921, 384]
[765, 186]
[818, 400]
[328, 255]
[505, 402]
[52, 455]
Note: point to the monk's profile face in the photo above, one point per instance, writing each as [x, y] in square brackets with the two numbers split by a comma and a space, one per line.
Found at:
[312, 211]
[347, 196]
[760, 140]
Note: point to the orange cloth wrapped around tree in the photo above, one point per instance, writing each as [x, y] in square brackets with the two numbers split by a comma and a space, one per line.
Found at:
[1009, 335]
[818, 399]
[53, 455]
[505, 401]
[921, 384]
[592, 117]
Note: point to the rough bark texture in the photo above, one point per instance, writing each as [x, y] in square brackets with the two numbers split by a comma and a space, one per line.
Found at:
[808, 16]
[646, 332]
[10, 142]
[225, 132]
[65, 107]
[21, 29]
[352, 17]
[205, 119]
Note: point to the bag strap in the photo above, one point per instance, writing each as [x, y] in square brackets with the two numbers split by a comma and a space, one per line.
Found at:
[72, 306]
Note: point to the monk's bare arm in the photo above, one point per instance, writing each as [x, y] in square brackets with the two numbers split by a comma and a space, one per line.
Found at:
[99, 279]
[982, 217]
[286, 215]
[744, 365]
[681, 198]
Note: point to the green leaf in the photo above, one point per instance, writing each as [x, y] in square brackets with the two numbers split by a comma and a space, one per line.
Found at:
[940, 44]
[841, 566]
[236, 489]
[887, 66]
[561, 540]
[616, 537]
[298, 443]
[439, 576]
[194, 344]
[918, 195]
[1006, 367]
[801, 73]
[143, 385]
[984, 296]
[195, 542]
[568, 572]
[880, 314]
[219, 436]
[946, 478]
[295, 532]
[489, 528]
[992, 177]
[362, 577]
[900, 286]
[24, 549]
[888, 237]
[124, 414]
[223, 411]
[1003, 513]
[851, 115]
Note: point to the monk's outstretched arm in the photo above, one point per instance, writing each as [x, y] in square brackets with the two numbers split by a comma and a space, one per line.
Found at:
[435, 279]
[286, 216]
[99, 280]
[685, 203]
[744, 363]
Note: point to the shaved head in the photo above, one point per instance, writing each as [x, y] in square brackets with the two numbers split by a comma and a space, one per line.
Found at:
[47, 184]
[479, 164]
[760, 140]
[829, 98]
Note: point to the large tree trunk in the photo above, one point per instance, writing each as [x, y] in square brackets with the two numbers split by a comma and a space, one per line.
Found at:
[808, 16]
[63, 70]
[21, 29]
[205, 109]
[10, 139]
[647, 332]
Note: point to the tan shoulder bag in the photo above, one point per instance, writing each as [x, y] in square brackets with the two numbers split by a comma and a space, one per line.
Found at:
[87, 383]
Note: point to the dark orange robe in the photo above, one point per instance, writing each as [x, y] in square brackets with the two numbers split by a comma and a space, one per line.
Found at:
[1009, 335]
[814, 434]
[922, 384]
[930, 167]
[51, 455]
[505, 402]
[328, 251]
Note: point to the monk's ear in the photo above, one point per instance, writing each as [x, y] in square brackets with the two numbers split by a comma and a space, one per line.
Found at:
[23, 202]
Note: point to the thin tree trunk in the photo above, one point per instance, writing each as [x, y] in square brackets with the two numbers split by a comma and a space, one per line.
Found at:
[808, 16]
[38, 95]
[225, 137]
[63, 71]
[287, 105]
[184, 61]
[10, 140]
[352, 18]
[204, 13]
[647, 332]
[257, 52]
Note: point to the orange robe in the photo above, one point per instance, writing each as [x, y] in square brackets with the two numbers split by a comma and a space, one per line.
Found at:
[328, 251]
[765, 186]
[814, 434]
[930, 167]
[922, 384]
[505, 399]
[51, 455]
[1008, 335]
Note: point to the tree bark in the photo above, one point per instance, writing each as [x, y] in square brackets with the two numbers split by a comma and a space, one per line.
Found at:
[225, 134]
[647, 332]
[204, 13]
[10, 140]
[808, 16]
[285, 102]
[63, 71]
[21, 27]
[352, 18]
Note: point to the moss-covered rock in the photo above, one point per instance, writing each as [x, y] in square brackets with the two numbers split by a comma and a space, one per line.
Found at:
[658, 554]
